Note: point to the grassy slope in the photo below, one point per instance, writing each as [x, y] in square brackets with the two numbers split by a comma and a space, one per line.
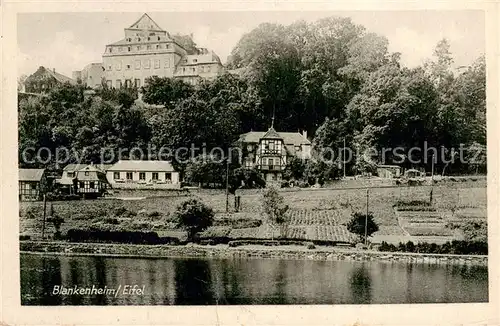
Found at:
[315, 214]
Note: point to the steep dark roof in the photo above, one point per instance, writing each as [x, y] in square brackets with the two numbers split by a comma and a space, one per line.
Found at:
[31, 174]
[271, 133]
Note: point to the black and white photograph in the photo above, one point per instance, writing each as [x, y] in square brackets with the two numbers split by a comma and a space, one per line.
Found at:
[230, 158]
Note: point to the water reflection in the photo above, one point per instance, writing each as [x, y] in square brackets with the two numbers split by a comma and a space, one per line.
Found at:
[248, 281]
[361, 286]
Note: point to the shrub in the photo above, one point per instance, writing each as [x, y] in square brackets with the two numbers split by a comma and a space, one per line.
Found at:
[24, 237]
[154, 214]
[357, 225]
[454, 247]
[111, 220]
[194, 216]
[132, 237]
[311, 246]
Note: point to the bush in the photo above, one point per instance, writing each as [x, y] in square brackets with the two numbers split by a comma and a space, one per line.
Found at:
[238, 223]
[454, 247]
[311, 246]
[154, 214]
[111, 220]
[132, 237]
[24, 237]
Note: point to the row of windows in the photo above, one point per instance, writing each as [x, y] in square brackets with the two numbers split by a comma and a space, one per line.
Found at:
[127, 83]
[147, 47]
[138, 64]
[142, 176]
[146, 64]
[138, 38]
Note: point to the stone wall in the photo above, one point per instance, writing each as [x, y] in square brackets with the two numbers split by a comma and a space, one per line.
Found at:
[158, 251]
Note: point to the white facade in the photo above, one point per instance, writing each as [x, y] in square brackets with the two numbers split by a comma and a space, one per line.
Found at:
[142, 174]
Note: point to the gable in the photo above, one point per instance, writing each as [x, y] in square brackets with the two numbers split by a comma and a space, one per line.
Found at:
[146, 22]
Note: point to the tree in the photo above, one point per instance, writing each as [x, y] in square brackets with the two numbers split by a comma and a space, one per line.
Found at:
[275, 209]
[357, 225]
[193, 216]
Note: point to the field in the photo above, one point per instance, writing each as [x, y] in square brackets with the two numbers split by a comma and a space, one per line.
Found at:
[315, 214]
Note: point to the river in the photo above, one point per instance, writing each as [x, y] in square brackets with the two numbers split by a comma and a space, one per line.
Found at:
[183, 281]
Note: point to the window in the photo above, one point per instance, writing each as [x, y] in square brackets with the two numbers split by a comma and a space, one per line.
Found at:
[118, 83]
[195, 60]
[168, 176]
[149, 38]
[158, 38]
[149, 47]
[208, 68]
[158, 46]
[193, 69]
[138, 48]
[91, 184]
[86, 173]
[167, 64]
[82, 185]
[137, 83]
[138, 39]
[155, 175]
[137, 64]
[128, 49]
[109, 83]
[110, 50]
[142, 176]
[71, 174]
[297, 148]
[109, 68]
[128, 67]
[167, 46]
[116, 175]
[119, 65]
[271, 163]
[33, 186]
[129, 175]
[249, 147]
[147, 63]
[129, 40]
[120, 49]
[157, 64]
[128, 83]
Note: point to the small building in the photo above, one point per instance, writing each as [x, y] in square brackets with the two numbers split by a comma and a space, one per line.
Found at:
[388, 171]
[92, 75]
[30, 184]
[270, 151]
[83, 179]
[137, 174]
[43, 80]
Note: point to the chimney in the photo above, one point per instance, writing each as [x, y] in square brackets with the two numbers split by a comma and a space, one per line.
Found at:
[53, 69]
[304, 133]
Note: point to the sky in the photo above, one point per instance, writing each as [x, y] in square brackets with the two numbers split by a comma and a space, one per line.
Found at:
[69, 41]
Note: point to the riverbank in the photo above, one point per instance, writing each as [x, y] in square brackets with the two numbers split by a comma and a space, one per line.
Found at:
[250, 251]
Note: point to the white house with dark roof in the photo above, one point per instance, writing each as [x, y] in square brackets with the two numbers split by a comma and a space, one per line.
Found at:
[270, 151]
[137, 174]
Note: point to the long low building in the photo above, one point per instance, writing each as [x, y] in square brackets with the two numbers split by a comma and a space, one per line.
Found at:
[136, 174]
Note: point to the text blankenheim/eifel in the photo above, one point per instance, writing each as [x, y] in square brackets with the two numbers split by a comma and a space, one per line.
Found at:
[97, 290]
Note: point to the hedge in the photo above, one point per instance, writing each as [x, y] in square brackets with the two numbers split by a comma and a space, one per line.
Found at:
[132, 237]
[455, 247]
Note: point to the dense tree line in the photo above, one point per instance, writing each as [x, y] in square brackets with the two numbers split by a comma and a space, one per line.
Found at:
[331, 77]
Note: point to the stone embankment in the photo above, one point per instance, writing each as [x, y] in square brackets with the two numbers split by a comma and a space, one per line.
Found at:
[223, 251]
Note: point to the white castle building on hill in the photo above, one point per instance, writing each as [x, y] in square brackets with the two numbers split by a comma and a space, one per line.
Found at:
[147, 50]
